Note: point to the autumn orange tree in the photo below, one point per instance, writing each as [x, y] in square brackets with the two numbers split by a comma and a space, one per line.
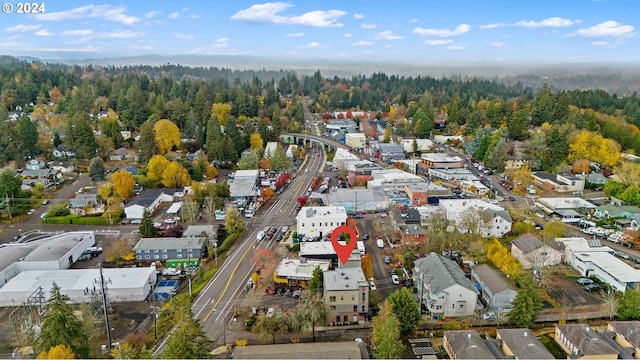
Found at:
[581, 166]
[367, 265]
[265, 163]
[266, 261]
[123, 184]
[175, 176]
[119, 250]
[156, 166]
[167, 135]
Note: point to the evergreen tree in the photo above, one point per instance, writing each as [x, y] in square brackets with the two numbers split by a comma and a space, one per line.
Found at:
[386, 334]
[526, 306]
[316, 282]
[80, 137]
[250, 161]
[518, 126]
[404, 306]
[188, 340]
[61, 327]
[27, 135]
[279, 159]
[146, 228]
[147, 143]
[629, 305]
[96, 169]
[232, 131]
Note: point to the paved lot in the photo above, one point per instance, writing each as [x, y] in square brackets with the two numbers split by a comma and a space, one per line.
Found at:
[568, 292]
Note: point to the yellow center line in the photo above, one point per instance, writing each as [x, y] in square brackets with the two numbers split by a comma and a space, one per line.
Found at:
[224, 291]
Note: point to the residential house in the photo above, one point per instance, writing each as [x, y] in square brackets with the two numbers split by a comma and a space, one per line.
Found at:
[320, 221]
[149, 200]
[627, 335]
[514, 164]
[132, 169]
[346, 293]
[166, 248]
[62, 167]
[38, 174]
[533, 253]
[194, 155]
[120, 154]
[86, 204]
[496, 288]
[521, 344]
[558, 182]
[61, 151]
[297, 272]
[582, 341]
[440, 121]
[443, 288]
[35, 165]
[206, 231]
[493, 220]
[613, 211]
[412, 234]
[30, 184]
[466, 344]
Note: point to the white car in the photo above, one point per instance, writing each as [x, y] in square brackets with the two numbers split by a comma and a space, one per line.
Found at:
[489, 316]
[170, 221]
[157, 224]
[372, 286]
[32, 211]
[395, 279]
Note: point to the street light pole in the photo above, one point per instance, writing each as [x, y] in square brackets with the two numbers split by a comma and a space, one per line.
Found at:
[104, 307]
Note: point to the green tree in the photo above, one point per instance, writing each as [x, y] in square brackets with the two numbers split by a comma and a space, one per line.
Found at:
[96, 169]
[552, 230]
[518, 126]
[146, 228]
[233, 222]
[316, 282]
[404, 306]
[10, 184]
[250, 160]
[27, 135]
[387, 133]
[270, 326]
[60, 326]
[147, 143]
[188, 340]
[526, 306]
[386, 334]
[80, 137]
[629, 305]
[310, 314]
[279, 160]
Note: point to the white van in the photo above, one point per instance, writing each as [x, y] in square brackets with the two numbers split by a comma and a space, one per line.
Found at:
[380, 243]
[260, 235]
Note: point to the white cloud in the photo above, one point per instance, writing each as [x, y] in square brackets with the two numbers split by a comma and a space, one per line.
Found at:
[79, 32]
[106, 12]
[195, 16]
[363, 43]
[549, 22]
[180, 36]
[491, 26]
[43, 32]
[267, 13]
[312, 45]
[387, 35]
[438, 42]
[298, 34]
[459, 30]
[455, 47]
[607, 29]
[388, 46]
[120, 34]
[222, 40]
[599, 43]
[151, 14]
[498, 44]
[348, 35]
[23, 28]
[413, 20]
[367, 26]
[358, 16]
[216, 48]
[174, 15]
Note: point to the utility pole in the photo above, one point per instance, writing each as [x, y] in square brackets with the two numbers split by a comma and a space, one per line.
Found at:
[6, 194]
[104, 306]
[189, 265]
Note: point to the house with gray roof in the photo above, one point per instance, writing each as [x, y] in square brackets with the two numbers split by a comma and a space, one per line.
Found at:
[466, 344]
[86, 204]
[149, 200]
[165, 248]
[496, 288]
[533, 253]
[315, 350]
[443, 288]
[581, 340]
[626, 334]
[521, 344]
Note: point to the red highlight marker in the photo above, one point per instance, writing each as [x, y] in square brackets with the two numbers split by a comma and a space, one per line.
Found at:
[343, 251]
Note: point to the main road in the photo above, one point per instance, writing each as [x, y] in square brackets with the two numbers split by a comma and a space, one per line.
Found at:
[215, 304]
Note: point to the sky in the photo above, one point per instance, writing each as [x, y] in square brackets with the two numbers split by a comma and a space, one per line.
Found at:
[418, 31]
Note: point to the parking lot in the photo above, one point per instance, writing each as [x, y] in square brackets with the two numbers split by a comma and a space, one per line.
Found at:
[567, 292]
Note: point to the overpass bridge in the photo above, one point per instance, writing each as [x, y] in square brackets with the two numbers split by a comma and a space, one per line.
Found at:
[307, 139]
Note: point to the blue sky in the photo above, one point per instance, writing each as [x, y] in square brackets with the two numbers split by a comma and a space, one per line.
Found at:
[421, 31]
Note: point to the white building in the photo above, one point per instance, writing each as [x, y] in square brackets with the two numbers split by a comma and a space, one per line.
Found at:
[577, 244]
[270, 149]
[355, 140]
[149, 200]
[474, 187]
[124, 284]
[423, 145]
[320, 220]
[608, 268]
[392, 179]
[244, 184]
[341, 157]
[552, 204]
[444, 289]
[53, 253]
[493, 220]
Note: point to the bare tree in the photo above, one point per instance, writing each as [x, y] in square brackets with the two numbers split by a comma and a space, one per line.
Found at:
[609, 302]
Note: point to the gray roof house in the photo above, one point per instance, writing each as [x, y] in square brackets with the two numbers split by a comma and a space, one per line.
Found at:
[521, 344]
[120, 154]
[86, 204]
[466, 344]
[443, 287]
[533, 253]
[497, 289]
[626, 334]
[170, 248]
[580, 340]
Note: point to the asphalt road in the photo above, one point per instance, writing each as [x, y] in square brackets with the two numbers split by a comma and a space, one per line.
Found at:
[215, 304]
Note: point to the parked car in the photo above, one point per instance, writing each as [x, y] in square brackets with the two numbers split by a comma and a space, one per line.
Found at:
[45, 202]
[622, 255]
[169, 221]
[365, 237]
[136, 222]
[636, 260]
[395, 279]
[84, 257]
[270, 312]
[585, 281]
[32, 211]
[489, 316]
[387, 260]
[93, 251]
[593, 287]
[372, 286]
[296, 294]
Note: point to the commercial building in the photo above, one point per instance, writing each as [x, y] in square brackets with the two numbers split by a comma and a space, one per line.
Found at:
[320, 221]
[165, 248]
[80, 285]
[443, 287]
[346, 293]
[552, 205]
[357, 200]
[297, 272]
[244, 184]
[558, 182]
[355, 140]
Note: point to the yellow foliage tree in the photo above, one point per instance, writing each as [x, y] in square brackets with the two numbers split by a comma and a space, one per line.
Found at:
[501, 257]
[221, 111]
[58, 352]
[175, 175]
[106, 191]
[592, 146]
[167, 135]
[212, 172]
[256, 141]
[156, 166]
[581, 166]
[123, 183]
